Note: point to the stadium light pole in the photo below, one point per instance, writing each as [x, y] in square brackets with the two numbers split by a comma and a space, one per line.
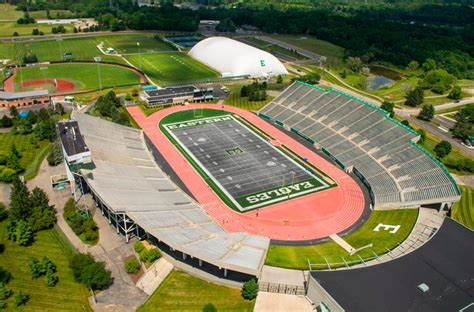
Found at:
[60, 48]
[139, 55]
[97, 60]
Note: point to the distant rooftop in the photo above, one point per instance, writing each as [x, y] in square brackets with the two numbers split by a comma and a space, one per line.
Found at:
[71, 138]
[444, 267]
[19, 95]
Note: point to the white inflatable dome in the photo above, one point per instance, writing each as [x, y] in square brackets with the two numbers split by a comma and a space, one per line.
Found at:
[234, 58]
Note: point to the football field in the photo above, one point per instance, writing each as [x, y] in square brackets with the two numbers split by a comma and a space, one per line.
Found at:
[248, 169]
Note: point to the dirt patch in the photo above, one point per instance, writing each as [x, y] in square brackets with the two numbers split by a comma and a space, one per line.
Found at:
[59, 84]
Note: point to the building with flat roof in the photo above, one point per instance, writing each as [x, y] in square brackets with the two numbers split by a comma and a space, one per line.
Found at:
[177, 95]
[439, 276]
[19, 99]
[233, 58]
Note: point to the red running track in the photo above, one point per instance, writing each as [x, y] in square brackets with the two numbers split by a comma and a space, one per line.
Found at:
[311, 216]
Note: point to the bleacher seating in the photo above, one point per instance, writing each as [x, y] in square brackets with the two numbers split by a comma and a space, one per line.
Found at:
[363, 137]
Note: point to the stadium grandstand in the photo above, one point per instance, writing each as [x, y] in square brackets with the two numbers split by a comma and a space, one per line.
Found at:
[362, 139]
[236, 59]
[140, 200]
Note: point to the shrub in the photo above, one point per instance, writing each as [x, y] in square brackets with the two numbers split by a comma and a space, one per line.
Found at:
[21, 298]
[138, 246]
[89, 272]
[132, 266]
[442, 149]
[35, 267]
[51, 279]
[250, 289]
[5, 292]
[149, 255]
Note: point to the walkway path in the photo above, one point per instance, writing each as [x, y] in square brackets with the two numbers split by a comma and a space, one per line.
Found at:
[122, 295]
[275, 302]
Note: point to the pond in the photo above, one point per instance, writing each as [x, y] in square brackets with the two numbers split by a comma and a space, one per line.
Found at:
[381, 76]
[376, 81]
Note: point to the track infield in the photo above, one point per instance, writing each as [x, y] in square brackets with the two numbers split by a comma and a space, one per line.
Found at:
[315, 215]
[248, 170]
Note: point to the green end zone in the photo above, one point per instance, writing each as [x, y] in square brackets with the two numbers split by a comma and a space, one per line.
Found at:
[285, 190]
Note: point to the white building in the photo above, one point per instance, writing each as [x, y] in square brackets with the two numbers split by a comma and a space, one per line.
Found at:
[233, 58]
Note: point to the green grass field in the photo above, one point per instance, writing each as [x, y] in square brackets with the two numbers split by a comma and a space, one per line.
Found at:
[84, 76]
[30, 154]
[183, 292]
[67, 295]
[334, 53]
[84, 48]
[463, 212]
[8, 12]
[234, 99]
[296, 257]
[8, 28]
[248, 201]
[171, 67]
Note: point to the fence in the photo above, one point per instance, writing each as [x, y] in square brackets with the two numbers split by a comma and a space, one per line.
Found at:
[282, 288]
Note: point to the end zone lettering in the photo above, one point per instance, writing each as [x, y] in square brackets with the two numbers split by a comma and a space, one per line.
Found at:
[286, 190]
[197, 122]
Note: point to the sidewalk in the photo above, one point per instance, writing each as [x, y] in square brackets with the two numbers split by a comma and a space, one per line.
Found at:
[122, 295]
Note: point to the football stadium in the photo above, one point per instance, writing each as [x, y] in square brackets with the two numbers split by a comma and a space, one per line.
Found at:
[235, 193]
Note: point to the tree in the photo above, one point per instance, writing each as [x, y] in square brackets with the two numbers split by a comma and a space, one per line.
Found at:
[35, 32]
[23, 233]
[21, 298]
[55, 156]
[354, 64]
[389, 107]
[413, 65]
[46, 130]
[226, 25]
[5, 292]
[132, 266]
[15, 34]
[13, 112]
[35, 268]
[415, 97]
[78, 262]
[429, 64]
[442, 149]
[6, 122]
[19, 201]
[422, 139]
[456, 93]
[438, 80]
[250, 289]
[5, 276]
[95, 276]
[427, 112]
[464, 127]
[279, 79]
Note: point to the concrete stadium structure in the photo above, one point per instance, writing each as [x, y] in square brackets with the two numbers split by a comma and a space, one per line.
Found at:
[362, 139]
[233, 58]
[139, 199]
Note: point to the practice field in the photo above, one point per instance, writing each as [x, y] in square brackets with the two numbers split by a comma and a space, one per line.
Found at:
[72, 77]
[171, 67]
[250, 171]
[84, 48]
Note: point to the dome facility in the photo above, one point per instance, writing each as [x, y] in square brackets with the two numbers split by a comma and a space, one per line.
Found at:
[233, 58]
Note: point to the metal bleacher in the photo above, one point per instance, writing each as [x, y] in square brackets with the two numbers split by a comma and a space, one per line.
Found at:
[360, 136]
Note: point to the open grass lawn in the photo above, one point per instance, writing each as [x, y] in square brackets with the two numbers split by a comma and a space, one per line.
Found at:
[183, 292]
[8, 12]
[8, 28]
[30, 155]
[333, 52]
[171, 67]
[67, 295]
[297, 257]
[84, 48]
[463, 211]
[234, 99]
[455, 156]
[84, 76]
[53, 13]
